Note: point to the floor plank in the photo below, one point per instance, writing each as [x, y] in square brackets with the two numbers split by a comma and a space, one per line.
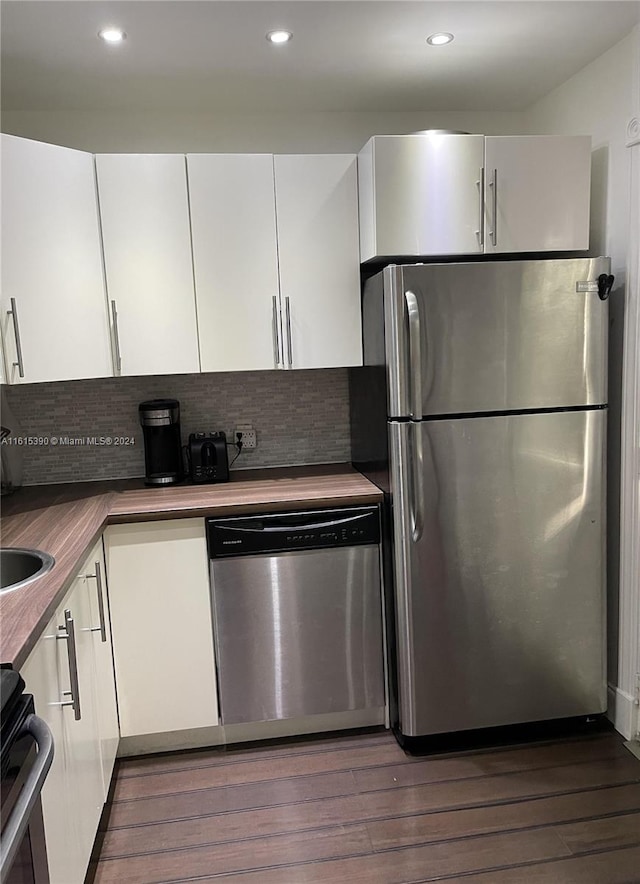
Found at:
[425, 827]
[485, 763]
[613, 867]
[412, 863]
[607, 834]
[501, 788]
[255, 771]
[289, 849]
[223, 800]
[233, 826]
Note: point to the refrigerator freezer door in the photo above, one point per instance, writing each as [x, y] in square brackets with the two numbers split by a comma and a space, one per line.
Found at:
[500, 597]
[496, 336]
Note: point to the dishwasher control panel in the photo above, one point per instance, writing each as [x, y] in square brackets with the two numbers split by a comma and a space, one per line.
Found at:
[284, 532]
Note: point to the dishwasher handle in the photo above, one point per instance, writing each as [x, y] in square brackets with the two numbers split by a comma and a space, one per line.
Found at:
[276, 527]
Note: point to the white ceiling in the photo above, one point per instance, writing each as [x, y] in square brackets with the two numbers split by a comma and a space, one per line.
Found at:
[209, 55]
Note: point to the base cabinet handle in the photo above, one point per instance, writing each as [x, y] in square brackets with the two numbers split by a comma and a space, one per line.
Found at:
[102, 629]
[68, 634]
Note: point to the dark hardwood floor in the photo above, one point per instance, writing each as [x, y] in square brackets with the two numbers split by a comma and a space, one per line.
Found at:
[356, 809]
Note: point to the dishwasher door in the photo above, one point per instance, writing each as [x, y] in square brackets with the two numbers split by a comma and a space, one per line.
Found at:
[298, 633]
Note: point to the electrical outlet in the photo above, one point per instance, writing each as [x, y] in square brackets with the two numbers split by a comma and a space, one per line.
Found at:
[249, 438]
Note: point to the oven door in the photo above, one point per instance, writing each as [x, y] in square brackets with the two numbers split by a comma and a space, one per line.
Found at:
[26, 762]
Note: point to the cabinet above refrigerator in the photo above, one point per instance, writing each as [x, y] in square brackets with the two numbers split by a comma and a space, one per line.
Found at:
[437, 194]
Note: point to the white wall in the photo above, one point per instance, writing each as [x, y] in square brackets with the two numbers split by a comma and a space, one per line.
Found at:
[148, 132]
[600, 101]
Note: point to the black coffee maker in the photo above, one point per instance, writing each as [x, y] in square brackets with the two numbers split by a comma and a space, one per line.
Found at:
[160, 420]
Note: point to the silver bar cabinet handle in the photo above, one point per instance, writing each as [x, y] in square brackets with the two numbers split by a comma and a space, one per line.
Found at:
[18, 821]
[480, 230]
[494, 221]
[415, 356]
[102, 629]
[13, 313]
[116, 336]
[274, 331]
[287, 307]
[68, 633]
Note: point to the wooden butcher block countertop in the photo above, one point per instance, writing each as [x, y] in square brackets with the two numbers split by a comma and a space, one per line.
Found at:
[66, 520]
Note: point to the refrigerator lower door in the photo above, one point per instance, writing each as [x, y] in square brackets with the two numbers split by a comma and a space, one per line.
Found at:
[499, 533]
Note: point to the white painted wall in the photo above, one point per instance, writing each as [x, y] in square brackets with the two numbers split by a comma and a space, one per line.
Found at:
[151, 132]
[600, 101]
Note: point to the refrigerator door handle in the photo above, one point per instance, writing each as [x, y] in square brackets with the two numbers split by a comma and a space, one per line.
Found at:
[417, 483]
[415, 356]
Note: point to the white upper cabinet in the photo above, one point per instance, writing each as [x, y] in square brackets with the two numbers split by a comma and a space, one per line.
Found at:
[317, 215]
[54, 312]
[537, 193]
[440, 194]
[144, 210]
[420, 195]
[235, 255]
[275, 249]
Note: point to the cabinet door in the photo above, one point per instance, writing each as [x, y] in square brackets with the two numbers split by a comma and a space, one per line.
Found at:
[147, 254]
[45, 673]
[72, 797]
[420, 195]
[87, 789]
[317, 214]
[94, 577]
[161, 622]
[537, 193]
[235, 259]
[51, 265]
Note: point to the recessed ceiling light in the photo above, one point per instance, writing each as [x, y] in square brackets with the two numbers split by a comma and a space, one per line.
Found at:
[112, 35]
[439, 39]
[279, 36]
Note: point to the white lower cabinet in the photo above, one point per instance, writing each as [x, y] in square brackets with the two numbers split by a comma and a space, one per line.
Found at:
[161, 626]
[74, 693]
[46, 675]
[93, 574]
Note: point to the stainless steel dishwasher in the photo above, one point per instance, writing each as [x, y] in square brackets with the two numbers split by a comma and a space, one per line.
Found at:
[297, 613]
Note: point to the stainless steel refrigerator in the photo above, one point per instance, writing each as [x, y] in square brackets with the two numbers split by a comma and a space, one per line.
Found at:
[481, 412]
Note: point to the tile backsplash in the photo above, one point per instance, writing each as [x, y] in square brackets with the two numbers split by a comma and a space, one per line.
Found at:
[301, 417]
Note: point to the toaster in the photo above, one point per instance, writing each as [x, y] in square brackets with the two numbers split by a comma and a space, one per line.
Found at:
[207, 456]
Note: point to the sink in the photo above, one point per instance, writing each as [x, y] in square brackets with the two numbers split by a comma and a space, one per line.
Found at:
[18, 567]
